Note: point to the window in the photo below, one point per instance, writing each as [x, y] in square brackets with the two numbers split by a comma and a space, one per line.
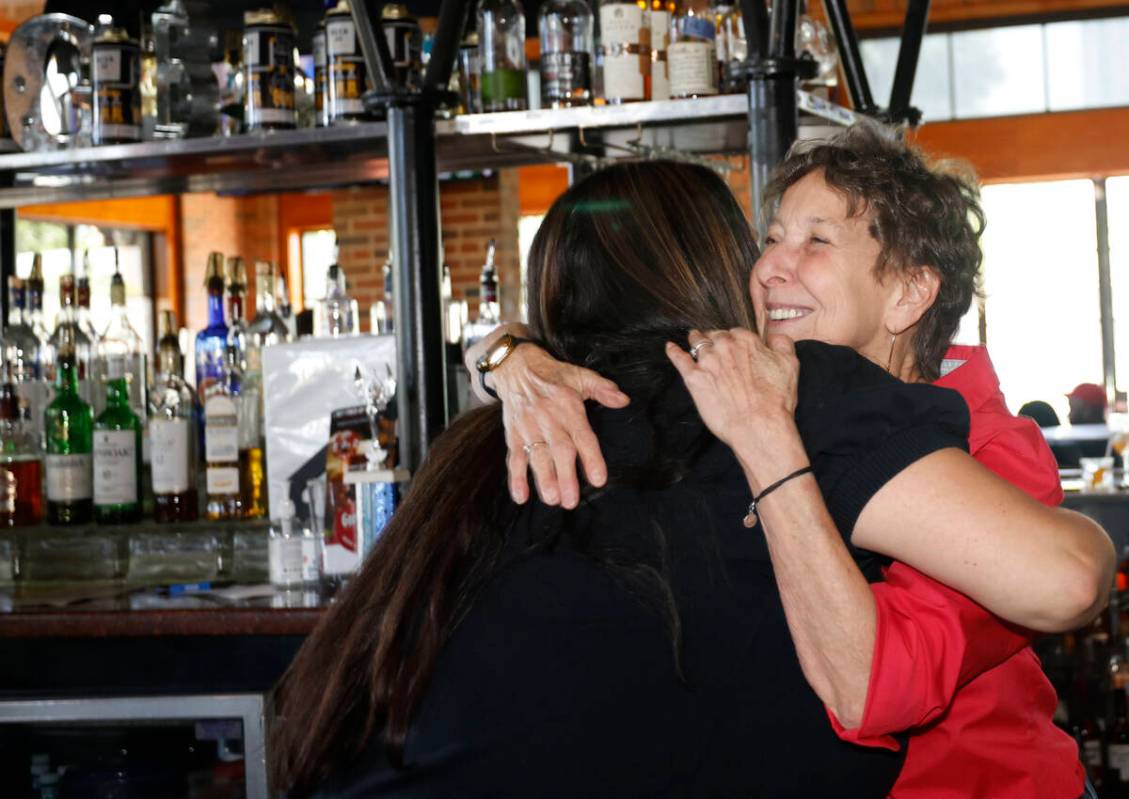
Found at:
[1021, 69]
[1117, 208]
[319, 252]
[1043, 323]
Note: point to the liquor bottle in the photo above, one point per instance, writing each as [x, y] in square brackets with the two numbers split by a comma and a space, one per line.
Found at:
[69, 423]
[212, 340]
[252, 462]
[120, 349]
[266, 329]
[172, 421]
[565, 28]
[720, 13]
[174, 86]
[1116, 782]
[692, 54]
[338, 314]
[82, 295]
[501, 45]
[662, 15]
[489, 314]
[34, 315]
[285, 311]
[346, 71]
[221, 442]
[321, 106]
[22, 359]
[236, 291]
[21, 463]
[117, 452]
[625, 49]
[80, 343]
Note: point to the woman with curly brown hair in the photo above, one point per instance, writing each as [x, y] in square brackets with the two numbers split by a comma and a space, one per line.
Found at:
[872, 248]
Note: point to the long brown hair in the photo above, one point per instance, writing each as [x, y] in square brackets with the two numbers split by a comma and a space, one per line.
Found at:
[629, 258]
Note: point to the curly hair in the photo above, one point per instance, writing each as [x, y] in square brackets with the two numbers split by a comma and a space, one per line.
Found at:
[922, 213]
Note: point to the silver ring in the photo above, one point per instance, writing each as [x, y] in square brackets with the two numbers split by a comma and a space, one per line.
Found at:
[528, 448]
[698, 348]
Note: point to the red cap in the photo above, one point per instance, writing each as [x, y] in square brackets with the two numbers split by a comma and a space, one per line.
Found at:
[1089, 393]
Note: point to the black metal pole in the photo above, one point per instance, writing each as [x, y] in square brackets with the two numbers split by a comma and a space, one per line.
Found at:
[909, 53]
[773, 73]
[415, 238]
[849, 56]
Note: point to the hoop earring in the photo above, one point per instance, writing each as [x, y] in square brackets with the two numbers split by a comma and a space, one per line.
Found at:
[890, 360]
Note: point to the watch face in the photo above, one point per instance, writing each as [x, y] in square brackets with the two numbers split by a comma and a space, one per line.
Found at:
[496, 354]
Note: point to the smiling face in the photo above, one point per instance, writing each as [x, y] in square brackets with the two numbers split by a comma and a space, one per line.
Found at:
[816, 276]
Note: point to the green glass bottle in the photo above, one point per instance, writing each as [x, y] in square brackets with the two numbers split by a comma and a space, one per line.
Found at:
[117, 455]
[69, 424]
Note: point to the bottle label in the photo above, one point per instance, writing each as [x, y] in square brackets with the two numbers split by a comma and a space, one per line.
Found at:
[564, 77]
[115, 467]
[221, 429]
[1119, 760]
[693, 68]
[285, 560]
[311, 562]
[625, 49]
[222, 480]
[69, 478]
[697, 28]
[169, 439]
[1092, 753]
[660, 40]
[340, 38]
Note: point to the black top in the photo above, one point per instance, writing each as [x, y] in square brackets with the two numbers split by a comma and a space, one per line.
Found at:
[563, 681]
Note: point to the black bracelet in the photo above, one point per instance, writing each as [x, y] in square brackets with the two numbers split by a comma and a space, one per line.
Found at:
[750, 520]
[486, 388]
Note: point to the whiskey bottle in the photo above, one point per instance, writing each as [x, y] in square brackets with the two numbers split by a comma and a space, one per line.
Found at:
[565, 28]
[692, 54]
[625, 49]
[221, 443]
[501, 46]
[172, 436]
[212, 340]
[662, 13]
[117, 453]
[21, 463]
[69, 424]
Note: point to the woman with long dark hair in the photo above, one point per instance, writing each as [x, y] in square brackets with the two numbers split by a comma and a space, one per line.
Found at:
[635, 646]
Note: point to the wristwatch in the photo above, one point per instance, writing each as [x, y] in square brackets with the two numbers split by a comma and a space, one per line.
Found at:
[495, 357]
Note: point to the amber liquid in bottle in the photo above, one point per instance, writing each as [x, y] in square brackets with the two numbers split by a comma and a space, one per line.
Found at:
[23, 503]
[252, 483]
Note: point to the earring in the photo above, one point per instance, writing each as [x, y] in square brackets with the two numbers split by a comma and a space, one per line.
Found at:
[890, 360]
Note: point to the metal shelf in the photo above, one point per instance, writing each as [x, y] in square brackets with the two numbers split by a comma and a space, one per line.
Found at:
[357, 153]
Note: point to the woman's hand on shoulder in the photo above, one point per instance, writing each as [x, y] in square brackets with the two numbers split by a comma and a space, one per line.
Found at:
[547, 425]
[745, 390]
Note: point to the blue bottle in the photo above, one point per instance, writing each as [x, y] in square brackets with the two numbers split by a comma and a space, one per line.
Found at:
[212, 340]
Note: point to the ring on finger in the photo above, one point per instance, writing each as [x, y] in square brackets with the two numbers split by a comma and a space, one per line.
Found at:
[697, 348]
[528, 448]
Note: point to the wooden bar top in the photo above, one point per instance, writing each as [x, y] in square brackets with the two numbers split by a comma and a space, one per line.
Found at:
[66, 623]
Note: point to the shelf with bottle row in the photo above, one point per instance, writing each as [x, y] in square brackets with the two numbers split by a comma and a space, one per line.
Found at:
[356, 153]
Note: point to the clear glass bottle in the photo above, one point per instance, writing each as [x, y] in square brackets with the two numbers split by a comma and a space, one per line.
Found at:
[662, 15]
[82, 295]
[117, 452]
[22, 358]
[120, 349]
[285, 311]
[625, 50]
[172, 423]
[212, 340]
[34, 315]
[501, 46]
[69, 422]
[692, 54]
[338, 314]
[470, 75]
[489, 312]
[174, 87]
[21, 460]
[236, 294]
[267, 328]
[221, 443]
[80, 342]
[565, 28]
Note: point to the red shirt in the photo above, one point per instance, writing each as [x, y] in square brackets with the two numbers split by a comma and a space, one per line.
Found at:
[965, 684]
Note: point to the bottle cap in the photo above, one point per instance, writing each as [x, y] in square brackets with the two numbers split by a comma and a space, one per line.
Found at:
[166, 323]
[36, 268]
[117, 290]
[215, 267]
[236, 273]
[66, 290]
[264, 269]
